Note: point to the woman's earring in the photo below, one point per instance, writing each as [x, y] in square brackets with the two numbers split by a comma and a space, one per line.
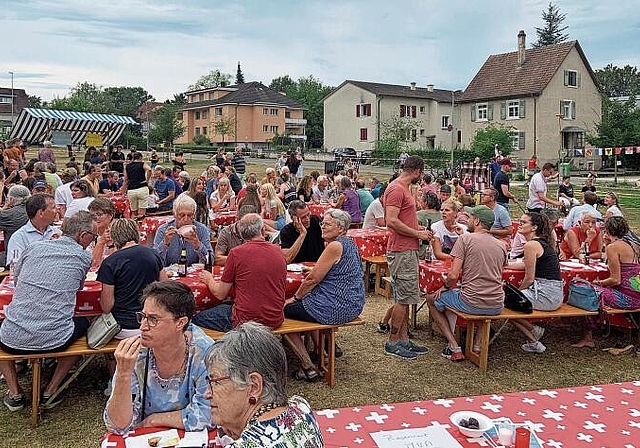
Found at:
[253, 400]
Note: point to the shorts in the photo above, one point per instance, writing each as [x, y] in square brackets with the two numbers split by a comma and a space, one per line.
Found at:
[297, 311]
[138, 198]
[217, 318]
[453, 299]
[545, 294]
[403, 268]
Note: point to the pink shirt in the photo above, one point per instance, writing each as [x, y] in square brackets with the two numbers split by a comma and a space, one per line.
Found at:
[399, 196]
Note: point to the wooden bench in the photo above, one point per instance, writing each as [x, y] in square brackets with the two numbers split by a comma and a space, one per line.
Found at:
[482, 324]
[381, 270]
[80, 348]
[327, 333]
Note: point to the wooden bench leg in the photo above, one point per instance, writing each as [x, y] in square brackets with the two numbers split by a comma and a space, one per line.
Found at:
[36, 369]
[69, 380]
[330, 375]
[483, 328]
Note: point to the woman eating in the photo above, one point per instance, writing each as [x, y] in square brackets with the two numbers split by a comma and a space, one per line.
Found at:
[620, 290]
[223, 199]
[247, 376]
[586, 232]
[333, 292]
[542, 283]
[102, 212]
[160, 378]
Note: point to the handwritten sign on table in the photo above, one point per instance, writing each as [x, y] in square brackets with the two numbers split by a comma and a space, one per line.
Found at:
[429, 437]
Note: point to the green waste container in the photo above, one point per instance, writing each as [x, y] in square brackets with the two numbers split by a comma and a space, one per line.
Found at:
[565, 169]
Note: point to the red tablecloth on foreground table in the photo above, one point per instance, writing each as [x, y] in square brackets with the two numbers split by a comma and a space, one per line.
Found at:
[225, 218]
[586, 416]
[370, 242]
[115, 441]
[121, 204]
[319, 209]
[432, 274]
[87, 299]
[150, 224]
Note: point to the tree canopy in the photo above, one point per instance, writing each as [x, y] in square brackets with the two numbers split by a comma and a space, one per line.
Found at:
[552, 32]
[166, 126]
[490, 138]
[87, 97]
[616, 81]
[239, 75]
[620, 124]
[215, 78]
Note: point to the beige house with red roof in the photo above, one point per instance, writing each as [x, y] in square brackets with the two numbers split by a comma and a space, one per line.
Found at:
[548, 96]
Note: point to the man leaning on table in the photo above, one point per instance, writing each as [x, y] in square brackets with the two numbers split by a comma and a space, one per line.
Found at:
[402, 256]
[480, 261]
[52, 271]
[301, 239]
[169, 238]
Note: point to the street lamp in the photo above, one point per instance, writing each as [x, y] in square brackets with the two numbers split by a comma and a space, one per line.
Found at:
[12, 99]
[560, 148]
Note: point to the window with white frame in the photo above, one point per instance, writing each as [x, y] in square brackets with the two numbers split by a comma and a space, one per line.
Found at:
[197, 115]
[197, 131]
[517, 140]
[5, 99]
[571, 78]
[218, 111]
[445, 121]
[265, 111]
[568, 109]
[204, 114]
[204, 130]
[513, 109]
[274, 129]
[422, 109]
[273, 112]
[265, 128]
[482, 112]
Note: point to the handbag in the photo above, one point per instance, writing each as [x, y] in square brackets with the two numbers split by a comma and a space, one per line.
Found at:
[515, 300]
[102, 330]
[584, 296]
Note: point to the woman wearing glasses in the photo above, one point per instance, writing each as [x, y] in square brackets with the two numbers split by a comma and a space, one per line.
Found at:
[102, 213]
[542, 283]
[247, 371]
[160, 378]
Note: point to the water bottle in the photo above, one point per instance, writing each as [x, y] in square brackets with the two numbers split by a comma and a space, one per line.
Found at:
[182, 263]
[12, 267]
[208, 265]
[428, 251]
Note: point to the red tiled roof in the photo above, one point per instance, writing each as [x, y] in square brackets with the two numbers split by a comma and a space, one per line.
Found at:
[501, 77]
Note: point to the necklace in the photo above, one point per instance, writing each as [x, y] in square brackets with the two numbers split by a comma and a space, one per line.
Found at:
[261, 411]
[179, 376]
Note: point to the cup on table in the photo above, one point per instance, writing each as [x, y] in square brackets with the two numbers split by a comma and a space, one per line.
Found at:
[198, 266]
[506, 434]
[523, 437]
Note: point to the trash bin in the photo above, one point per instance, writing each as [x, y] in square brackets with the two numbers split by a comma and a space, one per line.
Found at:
[330, 165]
[565, 169]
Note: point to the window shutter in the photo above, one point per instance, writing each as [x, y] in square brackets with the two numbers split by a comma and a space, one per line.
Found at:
[357, 110]
[573, 110]
[566, 77]
[562, 109]
[401, 110]
[521, 108]
[521, 140]
[578, 79]
[473, 112]
[413, 111]
[490, 112]
[503, 110]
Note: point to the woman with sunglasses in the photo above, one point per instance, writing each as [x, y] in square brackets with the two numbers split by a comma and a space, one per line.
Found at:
[542, 283]
[247, 375]
[611, 201]
[160, 377]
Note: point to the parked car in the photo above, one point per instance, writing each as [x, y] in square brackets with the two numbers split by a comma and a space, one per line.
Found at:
[343, 152]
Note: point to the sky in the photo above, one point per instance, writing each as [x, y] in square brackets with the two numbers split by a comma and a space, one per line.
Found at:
[164, 46]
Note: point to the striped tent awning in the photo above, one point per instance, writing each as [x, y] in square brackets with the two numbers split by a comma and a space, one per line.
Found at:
[35, 125]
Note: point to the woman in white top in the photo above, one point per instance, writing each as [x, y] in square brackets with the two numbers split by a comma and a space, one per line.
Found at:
[447, 231]
[223, 199]
[611, 201]
[82, 194]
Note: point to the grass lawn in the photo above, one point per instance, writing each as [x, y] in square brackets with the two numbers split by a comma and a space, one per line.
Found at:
[365, 375]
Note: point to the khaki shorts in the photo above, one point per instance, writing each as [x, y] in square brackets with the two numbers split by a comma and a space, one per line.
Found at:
[403, 267]
[138, 198]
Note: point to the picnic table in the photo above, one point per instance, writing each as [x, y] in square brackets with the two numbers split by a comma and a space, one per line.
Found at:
[225, 218]
[116, 441]
[121, 204]
[597, 416]
[432, 274]
[371, 241]
[319, 209]
[149, 226]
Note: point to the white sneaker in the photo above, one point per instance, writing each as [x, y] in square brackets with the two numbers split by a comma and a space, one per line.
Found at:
[537, 332]
[534, 347]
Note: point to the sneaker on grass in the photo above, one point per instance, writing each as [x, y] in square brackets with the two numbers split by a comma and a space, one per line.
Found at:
[537, 332]
[397, 350]
[534, 347]
[454, 354]
[417, 349]
[13, 402]
[382, 328]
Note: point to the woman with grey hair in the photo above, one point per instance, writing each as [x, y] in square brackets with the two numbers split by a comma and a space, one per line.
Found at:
[13, 214]
[333, 292]
[247, 390]
[349, 201]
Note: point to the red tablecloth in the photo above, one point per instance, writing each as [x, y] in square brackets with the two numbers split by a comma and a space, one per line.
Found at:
[432, 274]
[319, 209]
[370, 242]
[87, 299]
[586, 416]
[121, 204]
[150, 224]
[115, 441]
[225, 218]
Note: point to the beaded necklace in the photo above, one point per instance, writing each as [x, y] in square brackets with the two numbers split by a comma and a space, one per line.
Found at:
[178, 376]
[261, 411]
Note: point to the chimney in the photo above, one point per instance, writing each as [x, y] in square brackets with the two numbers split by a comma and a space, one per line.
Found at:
[429, 87]
[413, 86]
[521, 47]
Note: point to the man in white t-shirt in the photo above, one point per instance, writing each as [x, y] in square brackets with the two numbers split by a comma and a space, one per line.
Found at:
[63, 192]
[374, 215]
[538, 189]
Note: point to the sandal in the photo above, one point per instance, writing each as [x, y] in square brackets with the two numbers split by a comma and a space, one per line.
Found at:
[309, 375]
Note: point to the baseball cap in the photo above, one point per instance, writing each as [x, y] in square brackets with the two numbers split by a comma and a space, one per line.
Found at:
[40, 184]
[483, 213]
[506, 161]
[445, 189]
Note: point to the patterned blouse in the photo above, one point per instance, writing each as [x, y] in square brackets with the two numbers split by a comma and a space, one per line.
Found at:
[175, 394]
[295, 427]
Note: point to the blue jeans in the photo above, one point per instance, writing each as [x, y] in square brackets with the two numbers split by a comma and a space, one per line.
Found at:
[216, 318]
[453, 299]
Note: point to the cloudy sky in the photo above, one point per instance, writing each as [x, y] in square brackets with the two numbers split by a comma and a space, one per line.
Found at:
[164, 46]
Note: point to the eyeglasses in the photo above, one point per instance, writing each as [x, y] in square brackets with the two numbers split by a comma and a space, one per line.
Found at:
[97, 215]
[216, 381]
[152, 321]
[94, 236]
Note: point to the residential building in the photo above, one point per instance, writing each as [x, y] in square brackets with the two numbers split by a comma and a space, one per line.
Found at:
[358, 113]
[548, 96]
[250, 114]
[19, 101]
[144, 115]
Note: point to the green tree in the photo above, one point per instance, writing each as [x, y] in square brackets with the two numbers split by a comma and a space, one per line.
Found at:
[616, 81]
[224, 126]
[239, 75]
[215, 78]
[179, 99]
[283, 84]
[619, 126]
[84, 97]
[35, 101]
[552, 31]
[490, 138]
[166, 126]
[201, 140]
[127, 100]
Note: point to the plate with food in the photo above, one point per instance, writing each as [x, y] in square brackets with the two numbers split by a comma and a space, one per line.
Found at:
[294, 267]
[158, 439]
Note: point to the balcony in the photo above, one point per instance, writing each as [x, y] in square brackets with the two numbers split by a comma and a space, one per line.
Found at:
[293, 122]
